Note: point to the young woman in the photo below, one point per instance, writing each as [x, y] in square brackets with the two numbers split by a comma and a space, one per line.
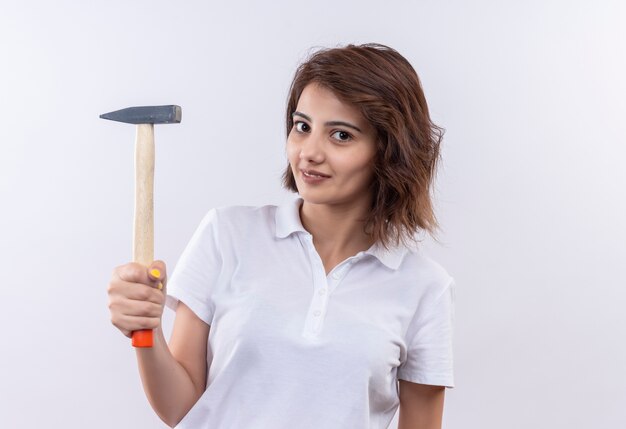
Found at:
[322, 312]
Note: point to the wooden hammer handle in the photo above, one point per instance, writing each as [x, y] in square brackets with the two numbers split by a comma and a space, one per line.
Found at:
[143, 231]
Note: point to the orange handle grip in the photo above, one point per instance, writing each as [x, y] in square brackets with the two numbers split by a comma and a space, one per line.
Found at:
[142, 338]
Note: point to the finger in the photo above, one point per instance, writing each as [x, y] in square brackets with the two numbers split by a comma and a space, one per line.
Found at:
[133, 272]
[121, 290]
[134, 308]
[157, 271]
[135, 323]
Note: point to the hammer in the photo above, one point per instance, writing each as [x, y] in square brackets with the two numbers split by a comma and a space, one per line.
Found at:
[143, 232]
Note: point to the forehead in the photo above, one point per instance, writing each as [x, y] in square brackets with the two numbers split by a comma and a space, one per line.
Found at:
[318, 101]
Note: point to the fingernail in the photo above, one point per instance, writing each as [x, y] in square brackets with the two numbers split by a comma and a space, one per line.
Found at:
[155, 273]
[160, 286]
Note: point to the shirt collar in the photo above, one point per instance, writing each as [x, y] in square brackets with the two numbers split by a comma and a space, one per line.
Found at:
[391, 257]
[288, 218]
[288, 222]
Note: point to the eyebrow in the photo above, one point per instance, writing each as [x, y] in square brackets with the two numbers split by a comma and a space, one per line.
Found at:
[329, 123]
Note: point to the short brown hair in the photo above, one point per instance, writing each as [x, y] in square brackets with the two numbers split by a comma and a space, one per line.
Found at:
[383, 85]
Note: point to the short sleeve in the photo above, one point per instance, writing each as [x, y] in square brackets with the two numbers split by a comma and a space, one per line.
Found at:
[197, 271]
[429, 343]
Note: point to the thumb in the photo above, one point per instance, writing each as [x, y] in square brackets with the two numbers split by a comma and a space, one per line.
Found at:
[157, 272]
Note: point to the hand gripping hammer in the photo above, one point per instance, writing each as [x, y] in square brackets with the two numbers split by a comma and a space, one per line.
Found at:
[143, 232]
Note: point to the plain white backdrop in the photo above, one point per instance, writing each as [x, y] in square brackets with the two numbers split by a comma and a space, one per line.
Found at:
[530, 193]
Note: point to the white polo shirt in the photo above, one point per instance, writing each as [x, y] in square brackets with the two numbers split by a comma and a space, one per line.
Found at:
[291, 347]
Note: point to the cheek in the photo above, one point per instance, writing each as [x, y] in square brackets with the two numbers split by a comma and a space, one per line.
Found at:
[358, 165]
[291, 150]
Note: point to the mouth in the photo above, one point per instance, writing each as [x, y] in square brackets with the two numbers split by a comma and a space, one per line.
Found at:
[314, 174]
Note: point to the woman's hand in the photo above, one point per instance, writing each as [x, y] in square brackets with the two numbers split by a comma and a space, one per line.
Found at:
[137, 296]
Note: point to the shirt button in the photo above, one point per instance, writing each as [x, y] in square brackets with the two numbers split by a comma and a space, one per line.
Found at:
[317, 313]
[336, 276]
[322, 291]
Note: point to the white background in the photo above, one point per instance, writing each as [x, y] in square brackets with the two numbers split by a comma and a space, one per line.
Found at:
[530, 194]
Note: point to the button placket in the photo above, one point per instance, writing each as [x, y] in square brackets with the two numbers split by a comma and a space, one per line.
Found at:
[317, 309]
[339, 273]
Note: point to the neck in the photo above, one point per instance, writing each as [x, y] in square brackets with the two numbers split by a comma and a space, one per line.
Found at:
[337, 230]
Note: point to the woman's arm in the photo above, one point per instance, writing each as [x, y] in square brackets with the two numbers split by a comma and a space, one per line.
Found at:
[174, 377]
[421, 406]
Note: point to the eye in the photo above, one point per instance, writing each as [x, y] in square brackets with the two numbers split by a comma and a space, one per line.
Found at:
[301, 127]
[343, 136]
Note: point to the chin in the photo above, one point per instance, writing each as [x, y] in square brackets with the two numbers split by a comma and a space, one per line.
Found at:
[311, 197]
[321, 198]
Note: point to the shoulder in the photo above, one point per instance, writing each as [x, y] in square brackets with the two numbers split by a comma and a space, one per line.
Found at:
[433, 278]
[238, 220]
[238, 214]
[241, 212]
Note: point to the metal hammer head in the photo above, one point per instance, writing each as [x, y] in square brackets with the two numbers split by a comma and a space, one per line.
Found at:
[146, 115]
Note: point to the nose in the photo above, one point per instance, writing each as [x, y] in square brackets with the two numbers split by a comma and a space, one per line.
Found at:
[312, 149]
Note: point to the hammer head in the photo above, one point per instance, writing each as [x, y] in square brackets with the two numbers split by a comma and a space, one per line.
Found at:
[146, 115]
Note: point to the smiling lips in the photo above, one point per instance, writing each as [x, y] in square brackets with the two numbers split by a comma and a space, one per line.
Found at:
[313, 177]
[314, 174]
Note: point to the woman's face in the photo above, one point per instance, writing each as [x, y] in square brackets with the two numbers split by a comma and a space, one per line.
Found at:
[331, 149]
